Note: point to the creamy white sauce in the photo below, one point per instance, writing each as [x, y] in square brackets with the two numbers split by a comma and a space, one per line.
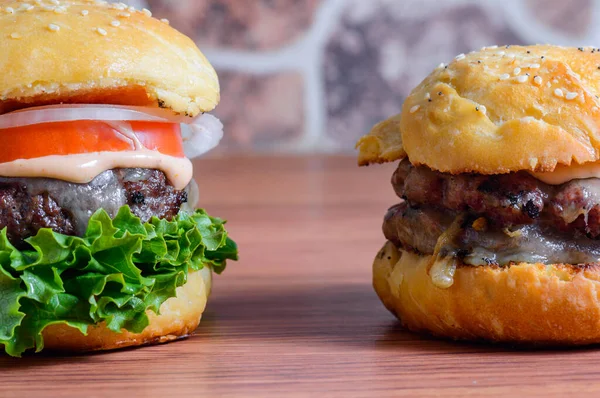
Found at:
[83, 168]
[563, 174]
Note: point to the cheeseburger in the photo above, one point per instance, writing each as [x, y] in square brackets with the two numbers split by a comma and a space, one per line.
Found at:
[497, 235]
[101, 108]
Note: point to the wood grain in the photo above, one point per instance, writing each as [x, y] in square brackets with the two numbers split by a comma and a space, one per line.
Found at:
[297, 315]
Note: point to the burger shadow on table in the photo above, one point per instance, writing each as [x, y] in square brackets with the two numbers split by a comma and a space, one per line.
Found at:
[41, 360]
[397, 337]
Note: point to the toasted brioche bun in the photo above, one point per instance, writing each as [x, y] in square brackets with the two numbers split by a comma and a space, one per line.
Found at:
[179, 317]
[525, 303]
[486, 109]
[93, 52]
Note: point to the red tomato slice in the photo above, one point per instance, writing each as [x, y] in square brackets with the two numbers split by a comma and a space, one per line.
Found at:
[85, 136]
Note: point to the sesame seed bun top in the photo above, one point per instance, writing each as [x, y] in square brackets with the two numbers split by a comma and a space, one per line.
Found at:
[498, 110]
[69, 51]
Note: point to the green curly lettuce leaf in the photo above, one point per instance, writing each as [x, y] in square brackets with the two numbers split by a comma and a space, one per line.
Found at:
[117, 271]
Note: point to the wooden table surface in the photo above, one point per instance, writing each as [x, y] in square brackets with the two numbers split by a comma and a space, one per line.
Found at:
[297, 315]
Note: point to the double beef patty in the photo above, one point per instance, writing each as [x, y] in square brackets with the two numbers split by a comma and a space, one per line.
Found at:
[29, 204]
[508, 202]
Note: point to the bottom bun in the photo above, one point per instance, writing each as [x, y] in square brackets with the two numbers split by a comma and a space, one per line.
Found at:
[179, 316]
[524, 303]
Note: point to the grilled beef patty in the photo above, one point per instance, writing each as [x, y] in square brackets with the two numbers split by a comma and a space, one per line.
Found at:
[29, 204]
[506, 200]
[503, 218]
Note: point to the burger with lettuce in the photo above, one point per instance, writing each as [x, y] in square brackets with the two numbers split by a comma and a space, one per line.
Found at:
[101, 109]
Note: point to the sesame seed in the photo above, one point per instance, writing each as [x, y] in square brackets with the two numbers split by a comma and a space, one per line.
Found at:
[501, 52]
[53, 27]
[131, 9]
[542, 57]
[534, 66]
[415, 108]
[548, 84]
[528, 52]
[504, 76]
[115, 23]
[522, 78]
[15, 36]
[559, 93]
[124, 14]
[537, 80]
[84, 12]
[101, 31]
[439, 93]
[482, 109]
[571, 96]
[533, 162]
[492, 47]
[118, 6]
[27, 7]
[440, 66]
[10, 10]
[516, 71]
[147, 12]
[165, 20]
[427, 95]
[580, 48]
[478, 61]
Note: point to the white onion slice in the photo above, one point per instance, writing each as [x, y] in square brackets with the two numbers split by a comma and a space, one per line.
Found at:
[67, 113]
[200, 134]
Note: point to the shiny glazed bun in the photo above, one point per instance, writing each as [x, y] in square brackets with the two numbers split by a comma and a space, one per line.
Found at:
[179, 317]
[95, 52]
[498, 110]
[527, 303]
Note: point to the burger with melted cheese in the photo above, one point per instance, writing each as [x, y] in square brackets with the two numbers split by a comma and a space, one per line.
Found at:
[101, 107]
[497, 233]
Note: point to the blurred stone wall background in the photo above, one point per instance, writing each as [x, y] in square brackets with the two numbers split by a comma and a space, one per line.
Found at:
[303, 76]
